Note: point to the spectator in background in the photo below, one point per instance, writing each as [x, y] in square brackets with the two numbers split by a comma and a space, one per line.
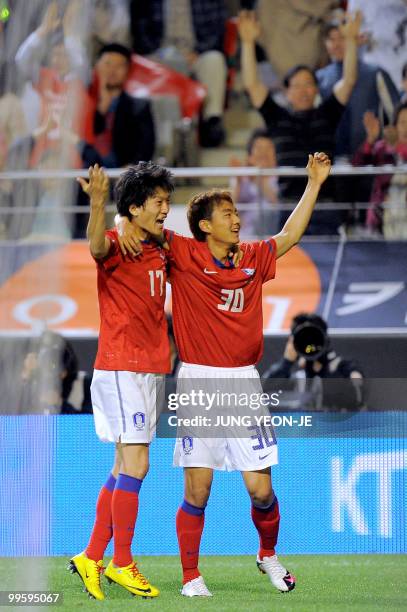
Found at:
[109, 20]
[304, 127]
[48, 195]
[261, 192]
[187, 35]
[385, 22]
[54, 60]
[292, 31]
[388, 189]
[12, 126]
[13, 123]
[366, 95]
[122, 125]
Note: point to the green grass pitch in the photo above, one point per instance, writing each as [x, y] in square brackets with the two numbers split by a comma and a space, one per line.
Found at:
[325, 583]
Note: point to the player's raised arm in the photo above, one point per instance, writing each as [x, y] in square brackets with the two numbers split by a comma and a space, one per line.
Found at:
[97, 189]
[318, 169]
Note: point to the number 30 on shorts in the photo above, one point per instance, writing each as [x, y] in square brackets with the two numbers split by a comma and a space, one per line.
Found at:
[263, 435]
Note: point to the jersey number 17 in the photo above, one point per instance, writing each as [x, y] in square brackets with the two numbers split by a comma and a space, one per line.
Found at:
[156, 275]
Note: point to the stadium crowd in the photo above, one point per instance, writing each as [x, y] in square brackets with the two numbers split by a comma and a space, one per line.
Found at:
[114, 82]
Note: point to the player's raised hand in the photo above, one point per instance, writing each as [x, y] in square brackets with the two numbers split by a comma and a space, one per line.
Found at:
[128, 240]
[97, 188]
[248, 26]
[318, 167]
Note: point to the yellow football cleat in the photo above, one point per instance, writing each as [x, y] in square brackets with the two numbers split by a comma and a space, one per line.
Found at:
[89, 571]
[131, 579]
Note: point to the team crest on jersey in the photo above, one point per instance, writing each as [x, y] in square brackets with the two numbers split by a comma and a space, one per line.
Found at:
[187, 445]
[249, 271]
[139, 420]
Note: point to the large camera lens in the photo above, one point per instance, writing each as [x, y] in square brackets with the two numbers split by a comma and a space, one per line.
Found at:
[310, 340]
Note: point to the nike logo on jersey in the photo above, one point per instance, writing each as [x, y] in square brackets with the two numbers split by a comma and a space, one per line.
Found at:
[264, 456]
[210, 271]
[249, 271]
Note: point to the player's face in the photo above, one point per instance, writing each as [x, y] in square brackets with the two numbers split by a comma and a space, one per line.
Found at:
[224, 225]
[335, 45]
[152, 216]
[263, 154]
[301, 91]
[113, 69]
[401, 126]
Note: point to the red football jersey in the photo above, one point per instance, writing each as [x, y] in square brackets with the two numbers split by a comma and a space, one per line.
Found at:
[217, 310]
[133, 328]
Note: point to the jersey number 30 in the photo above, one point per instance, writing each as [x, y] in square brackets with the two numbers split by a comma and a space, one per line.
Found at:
[233, 300]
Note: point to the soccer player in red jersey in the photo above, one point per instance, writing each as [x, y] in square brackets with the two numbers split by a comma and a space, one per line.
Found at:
[132, 360]
[218, 325]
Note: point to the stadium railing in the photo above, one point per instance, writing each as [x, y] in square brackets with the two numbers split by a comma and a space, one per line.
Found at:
[189, 176]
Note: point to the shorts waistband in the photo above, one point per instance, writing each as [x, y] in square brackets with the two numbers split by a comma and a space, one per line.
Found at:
[197, 366]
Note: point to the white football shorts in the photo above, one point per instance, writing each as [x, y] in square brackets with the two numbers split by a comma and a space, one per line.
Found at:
[126, 405]
[224, 446]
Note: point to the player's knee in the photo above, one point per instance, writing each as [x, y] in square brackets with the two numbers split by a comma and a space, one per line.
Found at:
[198, 495]
[262, 498]
[135, 469]
[139, 472]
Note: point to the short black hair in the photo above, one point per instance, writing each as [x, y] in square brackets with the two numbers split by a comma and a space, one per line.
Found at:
[294, 70]
[308, 317]
[116, 48]
[259, 133]
[328, 27]
[400, 107]
[137, 183]
[201, 207]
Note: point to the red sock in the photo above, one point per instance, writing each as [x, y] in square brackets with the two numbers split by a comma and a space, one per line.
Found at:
[124, 515]
[102, 529]
[267, 521]
[190, 524]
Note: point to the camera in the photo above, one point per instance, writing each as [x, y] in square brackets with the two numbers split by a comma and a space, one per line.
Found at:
[310, 336]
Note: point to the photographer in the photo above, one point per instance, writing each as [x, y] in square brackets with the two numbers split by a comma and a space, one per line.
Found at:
[310, 359]
[50, 379]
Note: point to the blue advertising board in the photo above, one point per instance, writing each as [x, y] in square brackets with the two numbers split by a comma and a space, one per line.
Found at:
[337, 494]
